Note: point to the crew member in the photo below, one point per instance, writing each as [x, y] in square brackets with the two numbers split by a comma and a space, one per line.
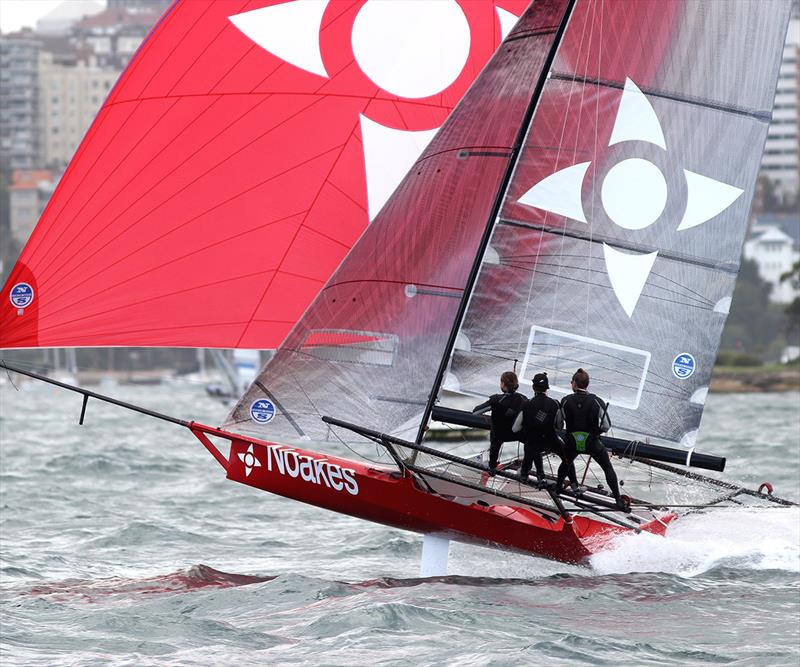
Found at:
[504, 410]
[539, 419]
[586, 417]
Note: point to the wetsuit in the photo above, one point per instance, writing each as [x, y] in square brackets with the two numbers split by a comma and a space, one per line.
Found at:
[505, 408]
[541, 416]
[586, 417]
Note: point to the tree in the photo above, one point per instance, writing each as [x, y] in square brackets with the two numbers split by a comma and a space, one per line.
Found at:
[793, 309]
[754, 323]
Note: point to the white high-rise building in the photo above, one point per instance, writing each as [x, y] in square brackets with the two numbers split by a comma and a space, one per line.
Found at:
[780, 161]
[19, 101]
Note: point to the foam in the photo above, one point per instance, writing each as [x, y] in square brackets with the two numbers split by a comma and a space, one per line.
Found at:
[749, 539]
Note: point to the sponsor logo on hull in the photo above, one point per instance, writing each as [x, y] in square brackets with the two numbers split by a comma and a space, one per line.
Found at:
[287, 461]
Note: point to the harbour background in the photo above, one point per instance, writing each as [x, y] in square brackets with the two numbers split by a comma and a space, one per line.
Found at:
[121, 543]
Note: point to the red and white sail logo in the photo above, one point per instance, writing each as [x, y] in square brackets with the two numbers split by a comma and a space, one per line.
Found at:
[407, 51]
[633, 194]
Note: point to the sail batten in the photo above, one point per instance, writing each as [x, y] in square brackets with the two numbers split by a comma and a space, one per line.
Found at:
[731, 267]
[763, 114]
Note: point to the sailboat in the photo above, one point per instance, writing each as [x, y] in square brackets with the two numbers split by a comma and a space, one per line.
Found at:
[584, 205]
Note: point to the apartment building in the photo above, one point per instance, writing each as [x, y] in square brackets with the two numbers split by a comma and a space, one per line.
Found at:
[71, 92]
[780, 161]
[19, 101]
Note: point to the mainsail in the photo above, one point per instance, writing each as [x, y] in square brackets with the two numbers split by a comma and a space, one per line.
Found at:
[616, 247]
[232, 168]
[619, 241]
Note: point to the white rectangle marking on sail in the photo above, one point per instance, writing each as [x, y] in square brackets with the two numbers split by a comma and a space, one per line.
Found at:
[617, 372]
[350, 346]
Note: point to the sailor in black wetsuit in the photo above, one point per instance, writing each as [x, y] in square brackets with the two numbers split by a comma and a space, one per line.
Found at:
[540, 418]
[586, 417]
[505, 407]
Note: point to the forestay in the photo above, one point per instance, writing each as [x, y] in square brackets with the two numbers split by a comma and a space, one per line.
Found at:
[619, 241]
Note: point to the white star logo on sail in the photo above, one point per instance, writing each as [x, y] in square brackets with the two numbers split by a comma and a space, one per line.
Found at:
[250, 461]
[633, 193]
[409, 48]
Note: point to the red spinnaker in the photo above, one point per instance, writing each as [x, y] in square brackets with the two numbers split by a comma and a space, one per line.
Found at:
[219, 186]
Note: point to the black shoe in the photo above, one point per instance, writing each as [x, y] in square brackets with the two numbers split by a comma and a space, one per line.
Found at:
[542, 484]
[492, 471]
[623, 504]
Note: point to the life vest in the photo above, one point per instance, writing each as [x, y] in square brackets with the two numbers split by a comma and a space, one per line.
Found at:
[582, 415]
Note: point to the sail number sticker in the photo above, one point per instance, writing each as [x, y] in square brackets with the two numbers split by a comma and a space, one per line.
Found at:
[262, 411]
[21, 295]
[683, 366]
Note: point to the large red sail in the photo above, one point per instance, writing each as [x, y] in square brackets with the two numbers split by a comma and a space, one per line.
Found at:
[228, 173]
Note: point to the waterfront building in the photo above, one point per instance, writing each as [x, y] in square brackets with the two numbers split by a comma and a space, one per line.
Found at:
[19, 91]
[28, 194]
[775, 253]
[72, 89]
[780, 161]
[114, 35]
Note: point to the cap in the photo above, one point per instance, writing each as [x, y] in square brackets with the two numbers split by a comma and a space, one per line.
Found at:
[540, 381]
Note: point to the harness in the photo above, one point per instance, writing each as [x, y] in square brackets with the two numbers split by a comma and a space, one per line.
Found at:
[581, 426]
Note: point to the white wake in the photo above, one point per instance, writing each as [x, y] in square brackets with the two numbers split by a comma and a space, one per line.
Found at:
[754, 539]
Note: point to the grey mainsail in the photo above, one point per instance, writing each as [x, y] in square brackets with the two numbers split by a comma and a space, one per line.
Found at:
[619, 241]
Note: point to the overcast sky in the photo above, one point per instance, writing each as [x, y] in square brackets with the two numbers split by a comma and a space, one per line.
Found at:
[16, 14]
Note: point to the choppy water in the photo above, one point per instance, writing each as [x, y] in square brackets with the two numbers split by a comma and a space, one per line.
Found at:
[121, 543]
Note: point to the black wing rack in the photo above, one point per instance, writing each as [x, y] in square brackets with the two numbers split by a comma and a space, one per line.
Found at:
[619, 446]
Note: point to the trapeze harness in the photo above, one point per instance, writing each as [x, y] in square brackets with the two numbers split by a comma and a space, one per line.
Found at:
[583, 415]
[505, 408]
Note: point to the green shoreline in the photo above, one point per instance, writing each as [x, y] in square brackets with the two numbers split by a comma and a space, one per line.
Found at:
[738, 379]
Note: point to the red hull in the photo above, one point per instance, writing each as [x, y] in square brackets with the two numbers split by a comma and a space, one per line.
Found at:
[388, 497]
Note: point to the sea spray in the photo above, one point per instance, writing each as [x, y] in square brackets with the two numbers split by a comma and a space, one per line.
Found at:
[746, 538]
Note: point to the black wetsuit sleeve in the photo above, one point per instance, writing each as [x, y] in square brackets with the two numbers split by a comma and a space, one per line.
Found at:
[604, 420]
[483, 407]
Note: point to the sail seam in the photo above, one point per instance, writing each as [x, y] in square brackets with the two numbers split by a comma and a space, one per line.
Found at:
[729, 267]
[762, 116]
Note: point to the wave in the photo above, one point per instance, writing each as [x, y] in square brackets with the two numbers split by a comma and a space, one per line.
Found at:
[196, 577]
[744, 539]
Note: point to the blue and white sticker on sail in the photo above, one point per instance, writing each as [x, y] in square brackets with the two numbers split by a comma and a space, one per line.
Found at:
[683, 366]
[262, 411]
[21, 295]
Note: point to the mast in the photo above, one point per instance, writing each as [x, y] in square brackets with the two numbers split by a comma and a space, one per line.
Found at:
[498, 203]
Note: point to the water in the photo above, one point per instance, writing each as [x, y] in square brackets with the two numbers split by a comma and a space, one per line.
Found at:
[123, 544]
